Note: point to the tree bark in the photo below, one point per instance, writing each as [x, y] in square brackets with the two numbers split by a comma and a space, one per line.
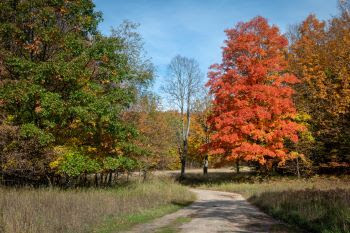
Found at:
[101, 179]
[183, 158]
[183, 166]
[205, 165]
[110, 178]
[96, 180]
[49, 181]
[106, 179]
[298, 169]
[85, 181]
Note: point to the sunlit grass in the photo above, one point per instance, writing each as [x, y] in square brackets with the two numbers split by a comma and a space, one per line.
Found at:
[318, 204]
[86, 210]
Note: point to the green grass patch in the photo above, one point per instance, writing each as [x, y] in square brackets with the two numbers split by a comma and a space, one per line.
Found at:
[123, 223]
[173, 227]
[167, 229]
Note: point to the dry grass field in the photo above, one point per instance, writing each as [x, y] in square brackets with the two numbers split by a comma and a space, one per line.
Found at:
[87, 210]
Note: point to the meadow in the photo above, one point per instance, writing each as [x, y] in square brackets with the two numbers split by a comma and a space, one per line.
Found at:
[89, 210]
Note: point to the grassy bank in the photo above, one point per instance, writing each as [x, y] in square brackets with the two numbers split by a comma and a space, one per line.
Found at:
[88, 210]
[319, 204]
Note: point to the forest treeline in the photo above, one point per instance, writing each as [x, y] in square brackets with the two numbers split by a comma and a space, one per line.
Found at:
[75, 104]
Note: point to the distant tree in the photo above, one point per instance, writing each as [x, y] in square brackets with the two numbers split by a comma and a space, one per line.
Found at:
[319, 56]
[182, 86]
[200, 132]
[157, 131]
[253, 113]
[344, 6]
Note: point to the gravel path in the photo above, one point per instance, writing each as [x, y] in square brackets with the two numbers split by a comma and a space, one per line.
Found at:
[215, 211]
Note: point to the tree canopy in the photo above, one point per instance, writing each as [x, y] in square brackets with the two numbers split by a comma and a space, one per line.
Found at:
[253, 110]
[64, 84]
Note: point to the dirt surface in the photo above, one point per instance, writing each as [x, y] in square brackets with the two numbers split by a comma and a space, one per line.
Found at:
[215, 211]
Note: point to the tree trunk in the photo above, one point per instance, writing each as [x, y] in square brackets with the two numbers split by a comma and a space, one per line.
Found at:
[110, 179]
[186, 131]
[205, 165]
[101, 179]
[96, 180]
[183, 159]
[298, 169]
[144, 173]
[183, 165]
[49, 181]
[237, 166]
[114, 176]
[106, 179]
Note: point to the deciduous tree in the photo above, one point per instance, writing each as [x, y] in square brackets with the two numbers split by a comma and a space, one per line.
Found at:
[200, 132]
[319, 55]
[156, 129]
[62, 83]
[253, 111]
[182, 86]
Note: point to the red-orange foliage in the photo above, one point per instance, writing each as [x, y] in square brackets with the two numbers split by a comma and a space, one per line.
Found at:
[253, 111]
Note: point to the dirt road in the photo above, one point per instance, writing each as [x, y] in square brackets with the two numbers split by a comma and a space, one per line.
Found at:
[214, 212]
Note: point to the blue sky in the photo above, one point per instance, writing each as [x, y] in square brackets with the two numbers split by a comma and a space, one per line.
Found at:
[195, 28]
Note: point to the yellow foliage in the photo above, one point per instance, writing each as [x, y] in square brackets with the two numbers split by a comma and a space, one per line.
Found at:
[91, 149]
[53, 165]
[59, 151]
[10, 118]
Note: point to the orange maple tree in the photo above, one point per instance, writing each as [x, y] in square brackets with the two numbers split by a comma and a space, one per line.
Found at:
[253, 111]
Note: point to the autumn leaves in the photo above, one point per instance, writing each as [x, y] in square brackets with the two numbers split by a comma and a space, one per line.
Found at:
[253, 110]
[275, 102]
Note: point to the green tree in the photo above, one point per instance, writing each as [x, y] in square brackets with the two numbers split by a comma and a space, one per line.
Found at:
[63, 83]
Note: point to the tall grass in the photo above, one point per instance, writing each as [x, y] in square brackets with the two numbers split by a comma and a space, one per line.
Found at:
[315, 210]
[249, 186]
[319, 204]
[60, 211]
